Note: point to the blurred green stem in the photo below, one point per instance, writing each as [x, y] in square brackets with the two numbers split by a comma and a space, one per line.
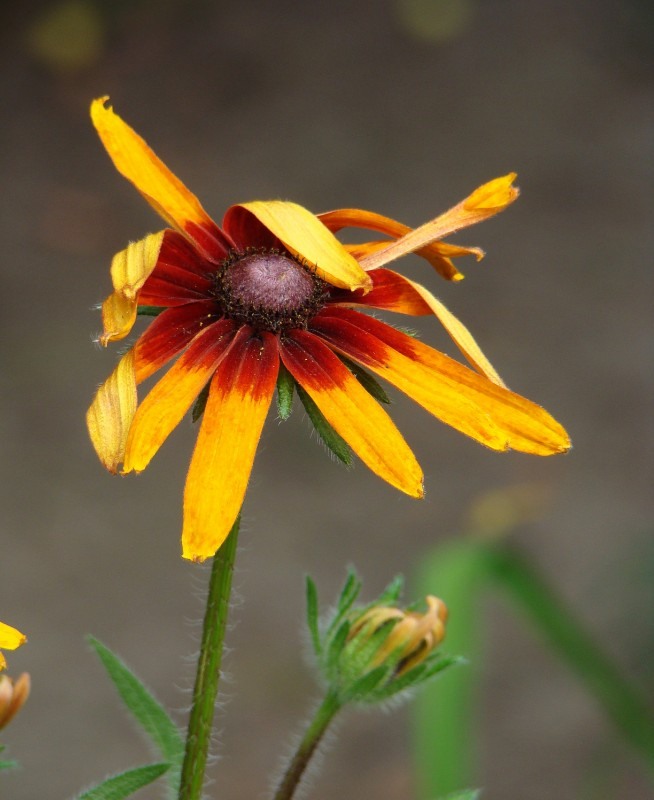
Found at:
[208, 670]
[307, 747]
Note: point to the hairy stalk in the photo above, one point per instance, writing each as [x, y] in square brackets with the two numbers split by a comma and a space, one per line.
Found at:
[208, 670]
[307, 747]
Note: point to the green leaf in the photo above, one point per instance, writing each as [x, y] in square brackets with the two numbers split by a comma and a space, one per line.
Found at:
[334, 442]
[285, 385]
[200, 403]
[312, 616]
[8, 764]
[149, 311]
[369, 383]
[120, 786]
[147, 711]
[465, 794]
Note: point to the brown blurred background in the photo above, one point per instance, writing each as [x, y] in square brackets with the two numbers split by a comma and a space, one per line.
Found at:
[402, 107]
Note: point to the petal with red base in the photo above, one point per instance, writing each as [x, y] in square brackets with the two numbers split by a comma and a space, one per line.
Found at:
[302, 233]
[238, 403]
[393, 292]
[164, 191]
[351, 411]
[484, 202]
[169, 334]
[455, 394]
[164, 407]
[180, 274]
[111, 413]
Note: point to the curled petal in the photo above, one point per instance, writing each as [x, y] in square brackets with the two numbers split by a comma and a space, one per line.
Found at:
[351, 411]
[111, 413]
[438, 254]
[305, 236]
[484, 202]
[238, 403]
[458, 396]
[129, 271]
[164, 191]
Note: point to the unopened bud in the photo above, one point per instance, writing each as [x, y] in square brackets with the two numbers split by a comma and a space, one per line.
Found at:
[13, 695]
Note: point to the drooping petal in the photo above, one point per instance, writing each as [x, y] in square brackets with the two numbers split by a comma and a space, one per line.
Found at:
[167, 402]
[168, 334]
[305, 236]
[455, 394]
[164, 191]
[484, 202]
[129, 271]
[393, 292]
[180, 274]
[111, 413]
[239, 398]
[351, 411]
[438, 254]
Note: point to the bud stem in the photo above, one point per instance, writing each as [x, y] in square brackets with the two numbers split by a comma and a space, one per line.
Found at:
[208, 669]
[307, 747]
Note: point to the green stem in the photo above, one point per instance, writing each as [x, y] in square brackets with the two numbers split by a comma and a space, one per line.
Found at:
[307, 747]
[208, 670]
[629, 712]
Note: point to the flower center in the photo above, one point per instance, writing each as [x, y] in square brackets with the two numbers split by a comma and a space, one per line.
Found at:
[269, 290]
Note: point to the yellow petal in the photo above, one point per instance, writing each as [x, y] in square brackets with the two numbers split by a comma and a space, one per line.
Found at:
[161, 188]
[484, 202]
[111, 413]
[305, 236]
[129, 271]
[239, 398]
[10, 638]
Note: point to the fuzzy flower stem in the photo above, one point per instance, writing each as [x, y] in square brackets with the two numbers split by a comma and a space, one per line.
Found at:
[307, 747]
[208, 669]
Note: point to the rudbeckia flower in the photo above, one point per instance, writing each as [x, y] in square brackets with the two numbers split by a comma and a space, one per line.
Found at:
[10, 639]
[273, 285]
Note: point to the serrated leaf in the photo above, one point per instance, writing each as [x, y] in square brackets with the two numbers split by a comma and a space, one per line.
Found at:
[121, 786]
[285, 386]
[200, 403]
[369, 383]
[149, 311]
[312, 616]
[332, 440]
[147, 711]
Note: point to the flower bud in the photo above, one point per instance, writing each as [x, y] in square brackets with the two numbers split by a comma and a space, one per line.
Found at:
[13, 695]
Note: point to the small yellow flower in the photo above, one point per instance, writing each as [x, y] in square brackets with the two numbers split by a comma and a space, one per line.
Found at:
[10, 639]
[13, 695]
[273, 285]
[411, 639]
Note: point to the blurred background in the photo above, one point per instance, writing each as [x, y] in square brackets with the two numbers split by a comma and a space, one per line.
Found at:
[403, 107]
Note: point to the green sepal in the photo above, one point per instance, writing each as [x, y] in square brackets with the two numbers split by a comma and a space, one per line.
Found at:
[312, 616]
[349, 594]
[120, 786]
[200, 403]
[146, 710]
[366, 685]
[392, 592]
[333, 441]
[369, 383]
[285, 385]
[149, 311]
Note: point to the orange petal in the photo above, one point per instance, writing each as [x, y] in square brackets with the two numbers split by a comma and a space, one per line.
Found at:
[164, 407]
[351, 411]
[306, 237]
[111, 413]
[10, 638]
[439, 254]
[129, 270]
[164, 191]
[238, 403]
[484, 202]
[463, 399]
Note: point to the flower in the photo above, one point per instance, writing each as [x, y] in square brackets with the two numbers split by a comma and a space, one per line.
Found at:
[10, 639]
[274, 285]
[13, 695]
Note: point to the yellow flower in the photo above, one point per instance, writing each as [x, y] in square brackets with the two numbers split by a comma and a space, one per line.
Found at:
[10, 639]
[274, 285]
[13, 695]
